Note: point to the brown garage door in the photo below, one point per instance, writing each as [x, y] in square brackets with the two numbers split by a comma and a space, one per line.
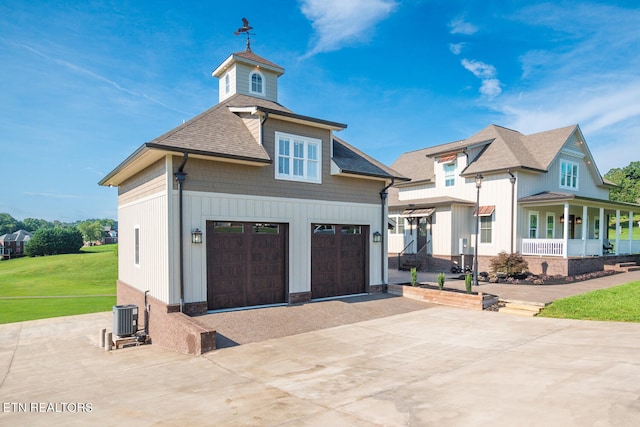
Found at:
[338, 260]
[246, 264]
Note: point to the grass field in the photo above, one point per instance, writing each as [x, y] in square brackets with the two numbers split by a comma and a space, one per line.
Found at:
[60, 285]
[619, 304]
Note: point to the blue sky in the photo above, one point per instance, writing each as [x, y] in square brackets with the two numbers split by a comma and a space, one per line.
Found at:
[83, 84]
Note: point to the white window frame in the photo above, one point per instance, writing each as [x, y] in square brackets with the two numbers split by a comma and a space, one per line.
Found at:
[553, 226]
[530, 229]
[294, 160]
[483, 223]
[263, 84]
[449, 175]
[399, 225]
[573, 180]
[227, 83]
[136, 246]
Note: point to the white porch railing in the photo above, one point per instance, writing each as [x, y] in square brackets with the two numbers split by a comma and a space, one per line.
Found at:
[548, 247]
[575, 247]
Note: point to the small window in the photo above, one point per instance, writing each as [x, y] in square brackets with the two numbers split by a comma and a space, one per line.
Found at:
[266, 228]
[256, 82]
[351, 229]
[486, 226]
[227, 83]
[136, 246]
[324, 229]
[568, 175]
[398, 227]
[228, 227]
[450, 174]
[551, 226]
[533, 225]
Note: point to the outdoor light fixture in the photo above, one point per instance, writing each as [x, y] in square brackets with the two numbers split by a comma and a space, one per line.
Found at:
[579, 220]
[377, 237]
[479, 179]
[196, 236]
[562, 219]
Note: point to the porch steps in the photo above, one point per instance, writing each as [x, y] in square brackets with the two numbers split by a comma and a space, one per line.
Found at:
[521, 308]
[627, 266]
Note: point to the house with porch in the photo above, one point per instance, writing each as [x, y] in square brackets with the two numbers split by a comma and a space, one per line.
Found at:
[540, 195]
[248, 204]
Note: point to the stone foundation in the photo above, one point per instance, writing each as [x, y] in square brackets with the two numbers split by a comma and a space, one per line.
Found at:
[299, 297]
[168, 327]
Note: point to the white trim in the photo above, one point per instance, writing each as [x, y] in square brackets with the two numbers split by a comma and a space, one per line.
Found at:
[290, 161]
[573, 153]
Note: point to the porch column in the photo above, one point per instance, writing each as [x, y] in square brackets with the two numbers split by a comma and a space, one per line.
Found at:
[601, 235]
[617, 231]
[630, 232]
[565, 231]
[584, 226]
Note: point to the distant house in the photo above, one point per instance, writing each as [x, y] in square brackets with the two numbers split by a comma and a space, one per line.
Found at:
[12, 245]
[247, 204]
[109, 235]
[540, 195]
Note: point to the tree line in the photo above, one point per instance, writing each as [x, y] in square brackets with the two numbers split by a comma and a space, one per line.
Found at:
[55, 237]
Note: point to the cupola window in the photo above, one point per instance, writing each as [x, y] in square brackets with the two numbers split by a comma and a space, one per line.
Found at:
[257, 82]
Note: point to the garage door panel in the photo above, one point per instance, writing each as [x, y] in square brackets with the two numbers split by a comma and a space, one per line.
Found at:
[246, 264]
[338, 261]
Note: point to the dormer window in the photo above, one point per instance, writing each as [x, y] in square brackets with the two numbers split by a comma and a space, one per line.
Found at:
[256, 82]
[450, 174]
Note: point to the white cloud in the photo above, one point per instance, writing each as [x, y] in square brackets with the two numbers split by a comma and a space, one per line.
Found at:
[456, 48]
[338, 23]
[487, 73]
[459, 26]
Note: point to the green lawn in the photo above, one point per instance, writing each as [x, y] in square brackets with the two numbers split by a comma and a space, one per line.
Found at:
[619, 304]
[79, 283]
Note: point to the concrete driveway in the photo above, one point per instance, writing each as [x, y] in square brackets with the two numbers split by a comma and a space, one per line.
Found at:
[432, 366]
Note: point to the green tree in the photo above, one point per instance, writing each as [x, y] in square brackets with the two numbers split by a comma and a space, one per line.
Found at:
[91, 231]
[9, 224]
[628, 183]
[34, 224]
[54, 241]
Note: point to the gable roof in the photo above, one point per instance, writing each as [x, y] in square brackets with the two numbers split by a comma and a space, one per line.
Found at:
[500, 149]
[350, 160]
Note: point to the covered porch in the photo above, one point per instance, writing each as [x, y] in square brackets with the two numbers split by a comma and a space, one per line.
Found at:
[565, 226]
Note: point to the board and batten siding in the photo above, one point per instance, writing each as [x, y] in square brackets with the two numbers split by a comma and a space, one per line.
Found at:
[201, 207]
[149, 214]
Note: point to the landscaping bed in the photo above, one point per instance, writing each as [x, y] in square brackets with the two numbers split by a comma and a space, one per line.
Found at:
[447, 296]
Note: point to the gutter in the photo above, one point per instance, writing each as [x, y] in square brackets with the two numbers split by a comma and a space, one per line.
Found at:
[180, 178]
[384, 232]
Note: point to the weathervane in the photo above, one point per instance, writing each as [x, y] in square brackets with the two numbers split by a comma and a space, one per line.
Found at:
[245, 29]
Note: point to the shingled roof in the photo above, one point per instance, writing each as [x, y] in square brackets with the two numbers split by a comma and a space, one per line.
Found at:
[353, 161]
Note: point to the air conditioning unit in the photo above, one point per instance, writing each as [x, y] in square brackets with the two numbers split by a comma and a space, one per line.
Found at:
[125, 320]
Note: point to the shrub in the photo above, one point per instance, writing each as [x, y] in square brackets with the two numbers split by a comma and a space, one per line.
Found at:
[509, 264]
[467, 282]
[441, 278]
[414, 276]
[54, 241]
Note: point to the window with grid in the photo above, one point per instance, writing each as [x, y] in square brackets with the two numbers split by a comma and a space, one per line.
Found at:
[486, 229]
[299, 158]
[568, 175]
[450, 174]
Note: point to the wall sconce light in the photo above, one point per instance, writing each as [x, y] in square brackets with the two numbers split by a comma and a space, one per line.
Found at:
[579, 220]
[562, 219]
[196, 236]
[377, 237]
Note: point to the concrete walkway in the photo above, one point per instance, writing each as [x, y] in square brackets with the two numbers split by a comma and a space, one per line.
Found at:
[431, 366]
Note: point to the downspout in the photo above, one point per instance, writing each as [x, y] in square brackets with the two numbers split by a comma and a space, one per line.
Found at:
[180, 177]
[384, 232]
[512, 180]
